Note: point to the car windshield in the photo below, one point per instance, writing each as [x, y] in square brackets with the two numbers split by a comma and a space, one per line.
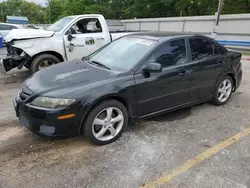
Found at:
[123, 53]
[60, 24]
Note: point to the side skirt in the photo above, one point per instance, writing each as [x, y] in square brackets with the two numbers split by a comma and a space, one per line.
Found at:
[192, 103]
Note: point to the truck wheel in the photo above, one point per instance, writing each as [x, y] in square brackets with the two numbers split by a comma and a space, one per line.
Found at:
[43, 61]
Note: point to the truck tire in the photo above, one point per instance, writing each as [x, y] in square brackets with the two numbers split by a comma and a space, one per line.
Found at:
[43, 61]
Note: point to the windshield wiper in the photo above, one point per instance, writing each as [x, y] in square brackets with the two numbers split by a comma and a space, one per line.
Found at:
[100, 64]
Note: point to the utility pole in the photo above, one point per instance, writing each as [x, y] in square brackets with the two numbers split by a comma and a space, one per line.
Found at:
[48, 4]
[218, 13]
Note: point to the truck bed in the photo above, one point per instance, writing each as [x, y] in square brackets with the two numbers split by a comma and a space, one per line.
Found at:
[117, 34]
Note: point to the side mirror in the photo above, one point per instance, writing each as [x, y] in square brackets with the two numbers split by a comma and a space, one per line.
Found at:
[70, 37]
[152, 67]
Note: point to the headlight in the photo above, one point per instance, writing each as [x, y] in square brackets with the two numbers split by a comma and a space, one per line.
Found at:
[48, 102]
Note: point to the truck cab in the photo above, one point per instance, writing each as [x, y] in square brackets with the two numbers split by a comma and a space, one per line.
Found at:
[69, 38]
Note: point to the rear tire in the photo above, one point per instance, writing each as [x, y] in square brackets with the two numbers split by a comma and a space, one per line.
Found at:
[223, 91]
[43, 61]
[106, 122]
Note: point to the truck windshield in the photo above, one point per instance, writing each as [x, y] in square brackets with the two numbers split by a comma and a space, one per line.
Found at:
[60, 24]
[124, 53]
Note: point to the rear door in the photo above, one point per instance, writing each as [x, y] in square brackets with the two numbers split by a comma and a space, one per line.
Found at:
[207, 63]
[168, 88]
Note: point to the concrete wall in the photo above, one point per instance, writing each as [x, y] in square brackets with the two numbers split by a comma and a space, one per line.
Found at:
[231, 27]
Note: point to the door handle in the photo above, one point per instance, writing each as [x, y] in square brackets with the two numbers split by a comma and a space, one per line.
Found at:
[182, 73]
[185, 73]
[100, 38]
[218, 64]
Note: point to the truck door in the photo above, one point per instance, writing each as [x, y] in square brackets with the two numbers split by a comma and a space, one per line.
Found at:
[84, 37]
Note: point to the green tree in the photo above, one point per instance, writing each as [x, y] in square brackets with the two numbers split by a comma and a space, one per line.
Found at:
[32, 11]
[99, 9]
[196, 7]
[54, 11]
[235, 6]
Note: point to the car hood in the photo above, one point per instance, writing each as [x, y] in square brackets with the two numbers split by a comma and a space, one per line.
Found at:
[18, 34]
[66, 77]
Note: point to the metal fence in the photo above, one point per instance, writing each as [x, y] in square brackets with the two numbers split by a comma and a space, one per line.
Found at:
[231, 27]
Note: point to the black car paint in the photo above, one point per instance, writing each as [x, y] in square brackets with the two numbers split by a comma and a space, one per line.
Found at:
[175, 87]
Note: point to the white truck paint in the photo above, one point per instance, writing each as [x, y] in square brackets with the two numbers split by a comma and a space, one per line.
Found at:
[70, 38]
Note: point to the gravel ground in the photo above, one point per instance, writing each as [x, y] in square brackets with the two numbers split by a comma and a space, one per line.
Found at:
[146, 150]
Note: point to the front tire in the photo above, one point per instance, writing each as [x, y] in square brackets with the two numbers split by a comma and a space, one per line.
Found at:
[223, 91]
[43, 61]
[106, 122]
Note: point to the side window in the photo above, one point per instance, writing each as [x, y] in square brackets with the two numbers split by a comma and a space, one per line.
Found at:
[202, 48]
[171, 53]
[89, 25]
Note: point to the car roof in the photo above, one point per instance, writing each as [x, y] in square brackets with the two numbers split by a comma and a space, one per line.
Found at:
[8, 24]
[162, 35]
[17, 25]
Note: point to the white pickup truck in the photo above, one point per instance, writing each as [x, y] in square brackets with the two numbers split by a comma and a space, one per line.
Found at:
[69, 38]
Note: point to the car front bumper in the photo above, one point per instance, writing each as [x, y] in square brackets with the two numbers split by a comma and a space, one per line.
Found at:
[44, 121]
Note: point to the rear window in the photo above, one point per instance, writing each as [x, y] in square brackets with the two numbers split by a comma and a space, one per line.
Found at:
[201, 48]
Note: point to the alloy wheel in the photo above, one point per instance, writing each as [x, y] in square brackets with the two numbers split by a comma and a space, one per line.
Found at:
[108, 124]
[224, 90]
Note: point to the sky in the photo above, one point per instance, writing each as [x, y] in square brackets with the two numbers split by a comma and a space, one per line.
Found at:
[41, 2]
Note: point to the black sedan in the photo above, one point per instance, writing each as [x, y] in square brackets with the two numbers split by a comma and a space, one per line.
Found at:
[136, 76]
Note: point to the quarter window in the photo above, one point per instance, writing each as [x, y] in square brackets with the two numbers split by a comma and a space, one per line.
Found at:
[201, 49]
[171, 53]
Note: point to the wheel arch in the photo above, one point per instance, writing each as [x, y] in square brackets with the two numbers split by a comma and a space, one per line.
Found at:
[102, 99]
[231, 74]
[233, 78]
[56, 54]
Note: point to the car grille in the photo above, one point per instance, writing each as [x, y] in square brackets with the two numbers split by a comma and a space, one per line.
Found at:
[25, 93]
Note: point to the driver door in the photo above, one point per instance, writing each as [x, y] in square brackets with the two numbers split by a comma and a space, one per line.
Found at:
[85, 38]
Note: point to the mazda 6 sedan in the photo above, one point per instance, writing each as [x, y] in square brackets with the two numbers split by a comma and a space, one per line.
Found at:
[136, 76]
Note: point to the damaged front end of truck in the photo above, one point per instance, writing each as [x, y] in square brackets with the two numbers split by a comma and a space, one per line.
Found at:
[16, 57]
[21, 45]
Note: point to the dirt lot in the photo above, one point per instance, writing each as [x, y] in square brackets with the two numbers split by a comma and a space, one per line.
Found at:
[146, 151]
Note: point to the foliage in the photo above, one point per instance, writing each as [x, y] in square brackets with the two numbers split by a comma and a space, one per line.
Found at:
[118, 9]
